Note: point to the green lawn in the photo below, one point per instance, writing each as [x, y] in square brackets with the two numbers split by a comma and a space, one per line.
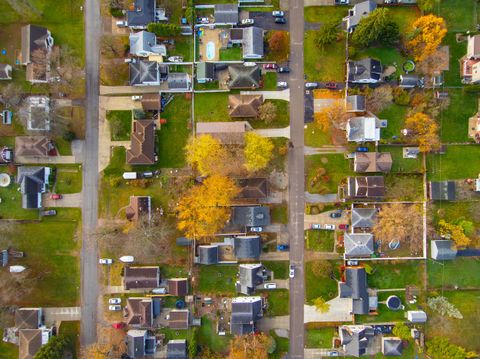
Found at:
[461, 272]
[269, 81]
[208, 336]
[279, 268]
[458, 14]
[320, 338]
[173, 136]
[400, 164]
[7, 350]
[319, 240]
[281, 348]
[385, 314]
[11, 204]
[454, 120]
[388, 275]
[279, 213]
[451, 211]
[71, 330]
[395, 115]
[277, 163]
[278, 301]
[69, 179]
[231, 54]
[217, 279]
[336, 166]
[458, 163]
[404, 187]
[457, 50]
[314, 137]
[120, 125]
[404, 16]
[323, 65]
[324, 287]
[282, 119]
[323, 14]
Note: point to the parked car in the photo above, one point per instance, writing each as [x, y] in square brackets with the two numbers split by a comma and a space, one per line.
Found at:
[278, 13]
[137, 97]
[129, 60]
[48, 213]
[362, 149]
[270, 286]
[332, 353]
[316, 226]
[256, 229]
[283, 247]
[291, 272]
[283, 69]
[331, 85]
[127, 259]
[105, 261]
[270, 66]
[335, 214]
[343, 226]
[203, 20]
[311, 85]
[114, 300]
[280, 20]
[352, 263]
[330, 227]
[122, 23]
[159, 291]
[56, 196]
[247, 22]
[175, 59]
[282, 84]
[114, 308]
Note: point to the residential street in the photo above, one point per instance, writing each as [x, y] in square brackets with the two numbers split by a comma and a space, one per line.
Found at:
[296, 177]
[90, 280]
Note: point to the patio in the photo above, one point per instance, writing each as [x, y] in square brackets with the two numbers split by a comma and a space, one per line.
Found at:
[210, 43]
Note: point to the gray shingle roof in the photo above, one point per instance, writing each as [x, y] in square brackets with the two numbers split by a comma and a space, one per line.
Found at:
[364, 69]
[355, 339]
[33, 182]
[359, 11]
[136, 343]
[142, 72]
[179, 81]
[244, 77]
[442, 191]
[245, 312]
[356, 103]
[208, 254]
[252, 42]
[355, 287]
[358, 244]
[177, 349]
[392, 347]
[250, 275]
[363, 217]
[205, 70]
[144, 41]
[226, 14]
[247, 247]
[443, 250]
[143, 13]
[251, 216]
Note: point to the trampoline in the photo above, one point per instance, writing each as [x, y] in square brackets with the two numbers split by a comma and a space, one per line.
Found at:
[4, 180]
[394, 302]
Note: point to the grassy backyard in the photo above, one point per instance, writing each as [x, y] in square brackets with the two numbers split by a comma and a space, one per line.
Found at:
[460, 15]
[462, 272]
[403, 187]
[323, 14]
[458, 163]
[319, 240]
[452, 211]
[388, 275]
[400, 164]
[457, 50]
[320, 287]
[326, 64]
[120, 125]
[217, 279]
[395, 115]
[207, 336]
[231, 54]
[336, 168]
[454, 120]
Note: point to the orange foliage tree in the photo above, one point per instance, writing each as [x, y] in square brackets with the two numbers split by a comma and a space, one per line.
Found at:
[426, 35]
[250, 346]
[424, 131]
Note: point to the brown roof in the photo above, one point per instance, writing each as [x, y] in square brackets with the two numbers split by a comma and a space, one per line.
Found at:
[30, 342]
[178, 286]
[236, 34]
[244, 105]
[140, 312]
[230, 133]
[253, 188]
[151, 102]
[178, 319]
[141, 277]
[142, 147]
[366, 186]
[35, 52]
[27, 318]
[373, 162]
[32, 146]
[139, 205]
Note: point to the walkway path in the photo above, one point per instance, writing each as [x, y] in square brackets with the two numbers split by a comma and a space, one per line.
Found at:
[274, 132]
[324, 150]
[268, 323]
[270, 95]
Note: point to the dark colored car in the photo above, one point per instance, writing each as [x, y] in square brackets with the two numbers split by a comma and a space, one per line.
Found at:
[280, 20]
[282, 247]
[331, 85]
[50, 212]
[283, 69]
[335, 214]
[362, 149]
[270, 66]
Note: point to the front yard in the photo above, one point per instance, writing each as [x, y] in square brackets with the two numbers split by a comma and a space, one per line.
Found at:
[323, 65]
[320, 338]
[325, 172]
[319, 240]
[326, 288]
[323, 14]
[69, 179]
[120, 125]
[277, 301]
[460, 162]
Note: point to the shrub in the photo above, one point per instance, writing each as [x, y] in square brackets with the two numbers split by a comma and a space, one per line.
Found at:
[116, 12]
[401, 97]
[164, 30]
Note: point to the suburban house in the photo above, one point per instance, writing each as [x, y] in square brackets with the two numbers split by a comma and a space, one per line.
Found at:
[253, 189]
[245, 312]
[147, 73]
[392, 346]
[252, 42]
[205, 72]
[363, 218]
[358, 245]
[179, 319]
[365, 187]
[28, 318]
[442, 191]
[34, 146]
[38, 110]
[177, 349]
[178, 286]
[365, 71]
[139, 206]
[31, 340]
[141, 277]
[37, 43]
[179, 81]
[244, 77]
[416, 316]
[443, 250]
[235, 36]
[372, 162]
[140, 343]
[141, 13]
[151, 102]
[251, 216]
[140, 312]
[355, 287]
[358, 12]
[410, 81]
[244, 106]
[144, 44]
[228, 251]
[247, 247]
[356, 103]
[5, 72]
[226, 14]
[142, 143]
[470, 68]
[228, 133]
[33, 182]
[356, 339]
[364, 129]
[250, 276]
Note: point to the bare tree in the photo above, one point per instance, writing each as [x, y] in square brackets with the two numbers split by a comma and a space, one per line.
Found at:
[113, 46]
[12, 95]
[267, 112]
[379, 99]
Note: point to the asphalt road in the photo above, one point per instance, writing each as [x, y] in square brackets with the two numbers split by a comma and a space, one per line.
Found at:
[296, 179]
[89, 287]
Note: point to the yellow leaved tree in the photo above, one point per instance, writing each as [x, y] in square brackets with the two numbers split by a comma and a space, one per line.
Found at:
[250, 346]
[258, 151]
[455, 232]
[206, 154]
[426, 35]
[424, 131]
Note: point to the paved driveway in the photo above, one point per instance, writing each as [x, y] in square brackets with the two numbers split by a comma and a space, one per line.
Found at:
[274, 132]
[119, 103]
[268, 323]
[68, 200]
[340, 309]
[59, 314]
[324, 218]
[266, 21]
[270, 95]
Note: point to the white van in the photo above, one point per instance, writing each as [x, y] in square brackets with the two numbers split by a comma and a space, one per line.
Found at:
[270, 286]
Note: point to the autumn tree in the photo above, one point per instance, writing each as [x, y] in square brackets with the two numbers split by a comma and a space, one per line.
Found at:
[207, 353]
[402, 331]
[441, 348]
[334, 115]
[322, 269]
[66, 69]
[321, 305]
[424, 131]
[376, 27]
[267, 112]
[54, 349]
[258, 151]
[328, 33]
[425, 36]
[250, 346]
[113, 46]
[426, 5]
[400, 222]
[433, 64]
[204, 209]
[206, 154]
[112, 347]
[12, 95]
[378, 99]
[279, 44]
[455, 232]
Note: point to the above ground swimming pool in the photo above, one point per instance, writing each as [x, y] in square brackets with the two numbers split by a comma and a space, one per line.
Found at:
[210, 50]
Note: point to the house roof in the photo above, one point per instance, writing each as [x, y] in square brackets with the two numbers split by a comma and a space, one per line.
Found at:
[207, 254]
[30, 342]
[244, 105]
[140, 312]
[142, 72]
[33, 181]
[355, 287]
[473, 47]
[251, 216]
[141, 277]
[177, 349]
[244, 77]
[38, 146]
[142, 14]
[139, 206]
[252, 44]
[28, 318]
[442, 191]
[355, 338]
[179, 319]
[364, 69]
[363, 128]
[392, 346]
[245, 312]
[359, 11]
[417, 316]
[358, 244]
[366, 187]
[144, 41]
[142, 147]
[247, 247]
[372, 162]
[250, 275]
[363, 217]
[410, 81]
[151, 101]
[253, 188]
[136, 343]
[231, 133]
[178, 286]
[236, 33]
[226, 13]
[179, 81]
[36, 44]
[443, 249]
[356, 103]
[205, 70]
[5, 72]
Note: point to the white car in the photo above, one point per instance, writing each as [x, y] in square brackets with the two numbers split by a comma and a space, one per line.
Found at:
[315, 226]
[248, 22]
[330, 227]
[282, 84]
[136, 97]
[311, 85]
[122, 23]
[127, 259]
[114, 301]
[291, 272]
[159, 291]
[203, 20]
[129, 60]
[278, 13]
[114, 308]
[256, 229]
[352, 263]
[175, 59]
[270, 286]
[105, 261]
